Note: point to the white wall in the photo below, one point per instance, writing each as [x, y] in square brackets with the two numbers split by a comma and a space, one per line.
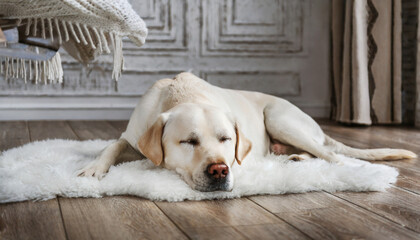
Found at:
[276, 46]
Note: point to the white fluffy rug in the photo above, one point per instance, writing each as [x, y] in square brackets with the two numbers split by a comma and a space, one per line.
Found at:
[44, 170]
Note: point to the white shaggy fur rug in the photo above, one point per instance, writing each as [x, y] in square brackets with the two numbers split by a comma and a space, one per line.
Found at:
[44, 170]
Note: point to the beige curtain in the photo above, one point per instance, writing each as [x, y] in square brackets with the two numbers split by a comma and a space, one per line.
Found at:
[366, 61]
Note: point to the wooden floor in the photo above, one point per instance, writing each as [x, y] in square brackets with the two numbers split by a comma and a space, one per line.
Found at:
[394, 214]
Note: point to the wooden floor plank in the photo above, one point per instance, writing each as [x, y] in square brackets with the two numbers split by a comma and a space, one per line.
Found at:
[270, 231]
[409, 180]
[28, 220]
[342, 223]
[210, 233]
[119, 125]
[119, 217]
[86, 130]
[41, 130]
[385, 132]
[31, 220]
[294, 202]
[195, 216]
[400, 134]
[371, 138]
[321, 216]
[13, 134]
[397, 205]
[216, 213]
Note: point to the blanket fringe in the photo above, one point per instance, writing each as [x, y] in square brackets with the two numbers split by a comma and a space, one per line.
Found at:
[51, 71]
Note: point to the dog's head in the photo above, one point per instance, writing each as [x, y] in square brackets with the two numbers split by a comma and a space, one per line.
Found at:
[198, 141]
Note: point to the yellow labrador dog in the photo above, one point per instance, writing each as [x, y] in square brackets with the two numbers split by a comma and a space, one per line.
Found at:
[199, 130]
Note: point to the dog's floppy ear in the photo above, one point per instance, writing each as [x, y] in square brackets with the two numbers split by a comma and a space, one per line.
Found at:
[150, 143]
[243, 145]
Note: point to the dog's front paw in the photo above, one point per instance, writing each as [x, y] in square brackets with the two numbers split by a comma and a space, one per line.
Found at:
[93, 170]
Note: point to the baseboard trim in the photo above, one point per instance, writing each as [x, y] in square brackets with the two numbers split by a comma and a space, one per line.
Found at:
[93, 108]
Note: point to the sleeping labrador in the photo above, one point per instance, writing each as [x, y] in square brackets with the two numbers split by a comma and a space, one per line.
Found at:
[198, 130]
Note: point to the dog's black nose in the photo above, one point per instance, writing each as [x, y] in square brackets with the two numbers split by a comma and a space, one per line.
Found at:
[218, 170]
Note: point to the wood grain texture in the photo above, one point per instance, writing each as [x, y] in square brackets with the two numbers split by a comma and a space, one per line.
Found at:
[193, 217]
[342, 222]
[374, 136]
[13, 134]
[214, 233]
[117, 217]
[294, 202]
[27, 220]
[395, 204]
[409, 180]
[270, 231]
[31, 220]
[119, 125]
[322, 216]
[86, 130]
[41, 130]
[216, 213]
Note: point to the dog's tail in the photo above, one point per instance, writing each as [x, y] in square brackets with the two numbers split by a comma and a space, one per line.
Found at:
[368, 154]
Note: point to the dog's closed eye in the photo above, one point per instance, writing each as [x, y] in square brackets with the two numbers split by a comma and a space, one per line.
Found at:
[224, 139]
[193, 142]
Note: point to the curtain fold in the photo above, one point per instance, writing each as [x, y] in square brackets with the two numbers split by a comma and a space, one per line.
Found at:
[366, 61]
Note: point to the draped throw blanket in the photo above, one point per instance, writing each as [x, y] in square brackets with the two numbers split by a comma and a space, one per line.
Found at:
[366, 61]
[84, 28]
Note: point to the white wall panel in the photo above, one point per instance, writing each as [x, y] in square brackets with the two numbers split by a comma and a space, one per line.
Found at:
[279, 47]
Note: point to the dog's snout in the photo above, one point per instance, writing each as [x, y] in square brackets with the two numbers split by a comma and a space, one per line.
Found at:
[218, 170]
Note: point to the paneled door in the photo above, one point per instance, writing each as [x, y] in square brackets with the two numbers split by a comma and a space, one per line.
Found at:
[280, 47]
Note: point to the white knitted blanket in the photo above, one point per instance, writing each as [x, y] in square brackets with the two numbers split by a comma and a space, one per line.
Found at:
[85, 28]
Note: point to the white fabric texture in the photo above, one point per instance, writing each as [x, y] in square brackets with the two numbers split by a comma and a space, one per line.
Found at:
[86, 28]
[46, 169]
